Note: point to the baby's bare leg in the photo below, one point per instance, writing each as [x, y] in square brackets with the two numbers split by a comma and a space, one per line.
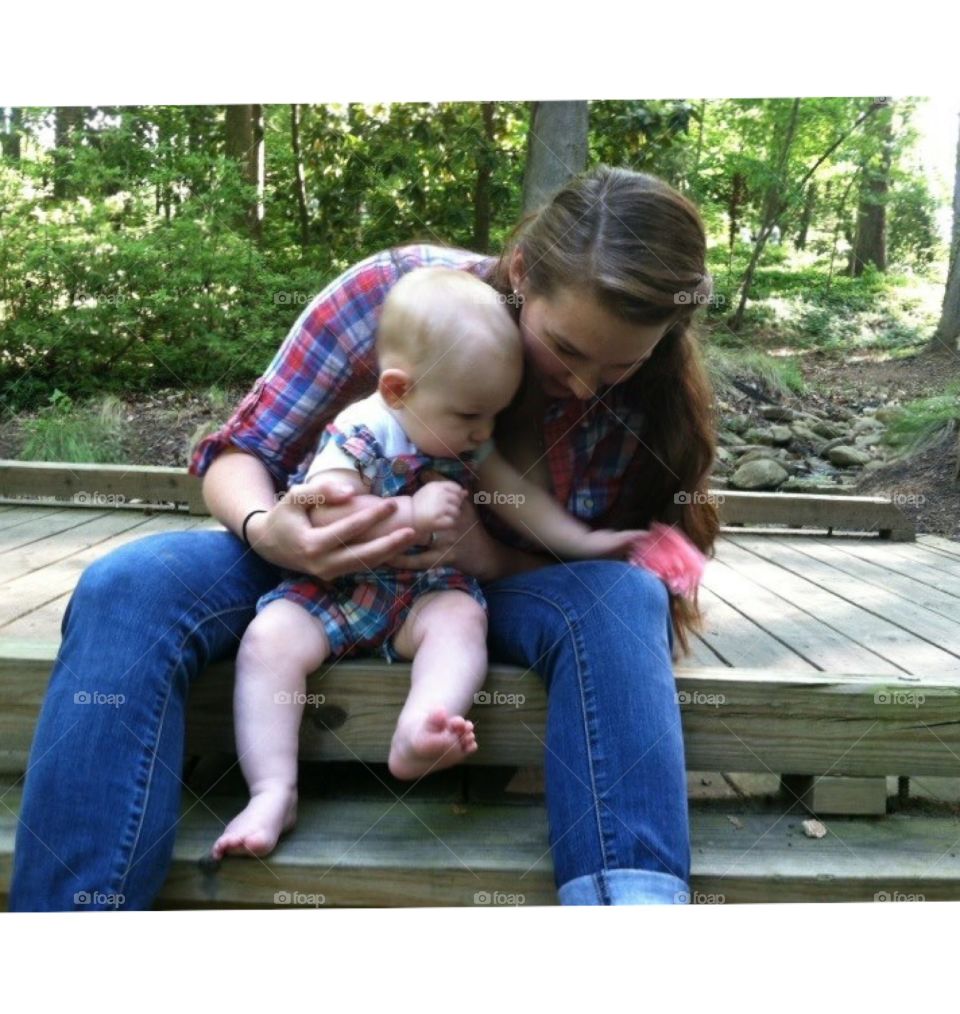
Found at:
[282, 645]
[445, 634]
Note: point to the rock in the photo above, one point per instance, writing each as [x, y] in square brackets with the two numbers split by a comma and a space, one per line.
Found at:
[802, 431]
[728, 437]
[829, 430]
[761, 474]
[813, 828]
[870, 440]
[830, 444]
[866, 425]
[770, 453]
[737, 423]
[778, 435]
[845, 456]
[723, 455]
[778, 413]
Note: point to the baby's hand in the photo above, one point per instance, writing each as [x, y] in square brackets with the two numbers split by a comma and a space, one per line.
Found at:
[436, 506]
[605, 542]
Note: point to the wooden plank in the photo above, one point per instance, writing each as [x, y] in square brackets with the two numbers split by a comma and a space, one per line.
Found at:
[49, 577]
[852, 513]
[849, 796]
[400, 853]
[734, 720]
[48, 526]
[751, 583]
[12, 515]
[856, 626]
[740, 642]
[93, 484]
[941, 545]
[906, 559]
[857, 611]
[916, 607]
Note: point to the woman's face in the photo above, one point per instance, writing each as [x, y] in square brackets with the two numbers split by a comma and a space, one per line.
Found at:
[575, 346]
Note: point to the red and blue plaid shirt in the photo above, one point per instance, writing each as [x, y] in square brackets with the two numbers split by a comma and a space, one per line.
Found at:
[328, 360]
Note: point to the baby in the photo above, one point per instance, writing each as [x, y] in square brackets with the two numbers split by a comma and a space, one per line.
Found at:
[450, 359]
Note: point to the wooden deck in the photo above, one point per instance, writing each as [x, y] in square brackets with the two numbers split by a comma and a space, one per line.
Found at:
[796, 603]
[819, 648]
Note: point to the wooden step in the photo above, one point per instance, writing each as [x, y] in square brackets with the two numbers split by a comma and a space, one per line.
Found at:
[409, 852]
[749, 720]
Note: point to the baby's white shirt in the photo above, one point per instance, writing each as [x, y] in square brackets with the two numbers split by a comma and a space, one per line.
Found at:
[372, 412]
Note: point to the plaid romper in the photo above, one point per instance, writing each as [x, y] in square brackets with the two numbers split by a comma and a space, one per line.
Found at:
[362, 611]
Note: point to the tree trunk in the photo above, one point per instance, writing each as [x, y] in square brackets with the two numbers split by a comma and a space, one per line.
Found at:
[67, 119]
[10, 139]
[556, 149]
[299, 180]
[482, 203]
[244, 143]
[773, 207]
[870, 242]
[948, 330]
[809, 205]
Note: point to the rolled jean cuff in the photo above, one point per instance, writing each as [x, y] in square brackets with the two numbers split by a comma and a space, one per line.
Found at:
[625, 887]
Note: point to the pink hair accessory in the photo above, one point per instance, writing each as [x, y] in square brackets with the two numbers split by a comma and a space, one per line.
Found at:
[667, 552]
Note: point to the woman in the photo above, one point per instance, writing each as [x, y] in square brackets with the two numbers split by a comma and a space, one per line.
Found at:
[613, 417]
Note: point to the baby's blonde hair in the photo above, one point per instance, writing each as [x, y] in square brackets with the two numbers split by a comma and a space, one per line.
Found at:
[449, 319]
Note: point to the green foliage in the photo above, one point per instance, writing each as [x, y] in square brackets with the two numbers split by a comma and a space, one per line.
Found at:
[925, 421]
[776, 375]
[126, 261]
[65, 431]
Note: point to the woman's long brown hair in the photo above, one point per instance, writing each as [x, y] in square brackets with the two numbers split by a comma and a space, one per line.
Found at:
[638, 247]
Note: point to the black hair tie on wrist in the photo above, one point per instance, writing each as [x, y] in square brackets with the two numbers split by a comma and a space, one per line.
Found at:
[243, 529]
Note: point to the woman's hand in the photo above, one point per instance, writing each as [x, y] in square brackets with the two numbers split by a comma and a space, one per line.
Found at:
[467, 545]
[285, 536]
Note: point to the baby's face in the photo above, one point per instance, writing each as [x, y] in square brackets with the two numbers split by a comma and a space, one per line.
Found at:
[449, 414]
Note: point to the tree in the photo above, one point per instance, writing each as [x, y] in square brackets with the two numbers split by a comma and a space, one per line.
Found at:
[948, 330]
[556, 149]
[870, 241]
[244, 144]
[299, 179]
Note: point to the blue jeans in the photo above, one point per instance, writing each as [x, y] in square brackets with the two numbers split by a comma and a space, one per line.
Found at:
[102, 794]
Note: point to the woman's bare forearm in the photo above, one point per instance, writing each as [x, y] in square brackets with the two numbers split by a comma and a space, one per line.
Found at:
[235, 484]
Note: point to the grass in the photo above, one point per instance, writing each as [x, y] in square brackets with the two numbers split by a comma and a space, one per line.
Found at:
[925, 421]
[65, 431]
[777, 375]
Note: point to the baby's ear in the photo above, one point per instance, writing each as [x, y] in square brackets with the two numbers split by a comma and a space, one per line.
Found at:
[394, 386]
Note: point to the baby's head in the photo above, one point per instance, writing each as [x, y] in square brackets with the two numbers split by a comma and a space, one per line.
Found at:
[450, 358]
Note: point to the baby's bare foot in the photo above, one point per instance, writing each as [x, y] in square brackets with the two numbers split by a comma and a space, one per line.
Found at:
[437, 742]
[255, 830]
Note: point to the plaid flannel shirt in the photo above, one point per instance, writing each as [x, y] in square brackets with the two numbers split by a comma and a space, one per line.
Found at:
[328, 360]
